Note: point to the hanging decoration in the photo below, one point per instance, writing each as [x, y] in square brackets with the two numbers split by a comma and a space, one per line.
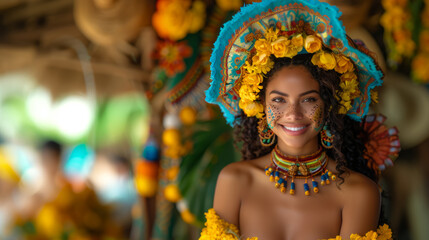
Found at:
[146, 169]
[406, 34]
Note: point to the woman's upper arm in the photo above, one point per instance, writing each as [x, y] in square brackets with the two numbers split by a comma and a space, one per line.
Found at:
[228, 193]
[361, 209]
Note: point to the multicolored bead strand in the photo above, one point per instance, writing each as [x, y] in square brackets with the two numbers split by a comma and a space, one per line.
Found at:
[304, 167]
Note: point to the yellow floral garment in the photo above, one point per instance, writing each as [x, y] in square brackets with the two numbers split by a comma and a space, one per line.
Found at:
[218, 229]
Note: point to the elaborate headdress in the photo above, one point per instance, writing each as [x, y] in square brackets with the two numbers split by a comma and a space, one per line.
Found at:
[285, 28]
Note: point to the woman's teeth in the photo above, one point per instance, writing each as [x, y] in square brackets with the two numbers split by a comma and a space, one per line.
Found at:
[294, 129]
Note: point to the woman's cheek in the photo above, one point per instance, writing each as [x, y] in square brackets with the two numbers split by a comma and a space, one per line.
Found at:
[316, 115]
[273, 115]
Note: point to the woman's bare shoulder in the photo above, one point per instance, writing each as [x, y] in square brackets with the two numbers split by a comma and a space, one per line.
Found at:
[241, 172]
[361, 204]
[357, 184]
[232, 182]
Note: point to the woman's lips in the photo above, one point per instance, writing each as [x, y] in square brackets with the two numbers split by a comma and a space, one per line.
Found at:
[295, 130]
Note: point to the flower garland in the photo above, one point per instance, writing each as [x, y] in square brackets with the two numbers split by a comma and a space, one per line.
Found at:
[397, 24]
[407, 37]
[282, 43]
[174, 150]
[419, 65]
[216, 229]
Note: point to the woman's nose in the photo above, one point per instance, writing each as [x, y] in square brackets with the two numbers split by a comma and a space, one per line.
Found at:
[293, 112]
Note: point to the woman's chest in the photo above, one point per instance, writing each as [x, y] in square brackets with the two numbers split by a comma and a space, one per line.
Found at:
[270, 214]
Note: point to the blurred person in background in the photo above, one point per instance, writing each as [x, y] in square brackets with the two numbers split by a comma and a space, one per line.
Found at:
[50, 160]
[112, 179]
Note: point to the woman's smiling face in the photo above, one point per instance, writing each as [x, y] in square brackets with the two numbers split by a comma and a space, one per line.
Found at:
[294, 109]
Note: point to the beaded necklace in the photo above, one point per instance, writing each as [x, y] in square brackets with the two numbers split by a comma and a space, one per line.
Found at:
[283, 167]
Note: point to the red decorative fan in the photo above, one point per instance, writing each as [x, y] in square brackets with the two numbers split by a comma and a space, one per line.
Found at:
[382, 145]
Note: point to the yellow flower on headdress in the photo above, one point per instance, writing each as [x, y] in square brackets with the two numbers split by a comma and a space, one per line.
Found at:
[298, 42]
[280, 47]
[250, 68]
[262, 46]
[345, 107]
[247, 92]
[349, 86]
[271, 35]
[251, 108]
[343, 64]
[261, 58]
[324, 60]
[312, 44]
[349, 76]
[252, 79]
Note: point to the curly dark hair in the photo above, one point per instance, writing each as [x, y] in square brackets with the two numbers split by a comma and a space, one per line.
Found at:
[347, 151]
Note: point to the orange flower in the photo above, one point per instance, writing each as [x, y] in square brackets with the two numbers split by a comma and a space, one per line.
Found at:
[350, 76]
[175, 19]
[280, 47]
[261, 58]
[251, 108]
[312, 44]
[324, 60]
[298, 42]
[263, 46]
[343, 64]
[252, 79]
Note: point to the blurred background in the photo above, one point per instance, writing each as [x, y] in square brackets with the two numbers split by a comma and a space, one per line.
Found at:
[105, 134]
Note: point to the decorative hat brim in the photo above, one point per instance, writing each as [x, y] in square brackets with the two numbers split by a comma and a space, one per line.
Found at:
[232, 48]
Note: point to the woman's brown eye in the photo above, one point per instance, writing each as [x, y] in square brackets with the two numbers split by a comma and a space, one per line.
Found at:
[278, 100]
[310, 99]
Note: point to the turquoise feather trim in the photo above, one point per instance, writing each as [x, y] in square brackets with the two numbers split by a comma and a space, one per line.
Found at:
[228, 104]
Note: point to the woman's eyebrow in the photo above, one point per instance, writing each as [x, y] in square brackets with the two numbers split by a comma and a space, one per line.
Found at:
[308, 92]
[279, 93]
[286, 95]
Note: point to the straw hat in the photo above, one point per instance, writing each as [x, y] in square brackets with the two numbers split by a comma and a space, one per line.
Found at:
[109, 22]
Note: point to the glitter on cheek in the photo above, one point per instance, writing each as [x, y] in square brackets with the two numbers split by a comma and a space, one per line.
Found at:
[273, 115]
[316, 117]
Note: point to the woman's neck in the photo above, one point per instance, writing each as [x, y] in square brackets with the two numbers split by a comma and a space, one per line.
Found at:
[309, 148]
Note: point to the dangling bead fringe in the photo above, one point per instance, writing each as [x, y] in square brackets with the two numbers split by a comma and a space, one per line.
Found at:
[292, 187]
[306, 188]
[299, 167]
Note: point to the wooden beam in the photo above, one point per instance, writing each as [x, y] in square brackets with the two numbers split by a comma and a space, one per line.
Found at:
[35, 10]
[13, 57]
[122, 72]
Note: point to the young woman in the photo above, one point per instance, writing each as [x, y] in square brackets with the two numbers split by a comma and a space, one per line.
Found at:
[296, 88]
